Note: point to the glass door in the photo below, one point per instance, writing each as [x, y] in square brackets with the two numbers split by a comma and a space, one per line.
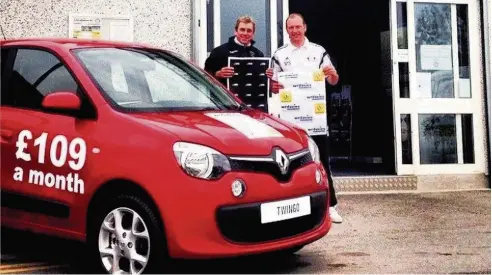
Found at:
[437, 92]
[214, 22]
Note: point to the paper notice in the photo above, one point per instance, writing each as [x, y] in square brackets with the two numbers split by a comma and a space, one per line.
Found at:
[464, 88]
[436, 58]
[424, 85]
[120, 31]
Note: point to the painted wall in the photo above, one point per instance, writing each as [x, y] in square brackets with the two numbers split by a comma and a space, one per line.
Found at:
[162, 23]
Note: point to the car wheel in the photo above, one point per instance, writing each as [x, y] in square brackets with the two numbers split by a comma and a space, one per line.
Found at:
[126, 237]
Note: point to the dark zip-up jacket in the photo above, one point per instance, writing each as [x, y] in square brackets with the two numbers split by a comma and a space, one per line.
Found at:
[219, 56]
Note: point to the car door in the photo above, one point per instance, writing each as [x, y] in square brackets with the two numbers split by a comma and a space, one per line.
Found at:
[43, 153]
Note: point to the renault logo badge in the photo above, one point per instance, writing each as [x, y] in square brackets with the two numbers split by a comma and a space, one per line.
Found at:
[282, 161]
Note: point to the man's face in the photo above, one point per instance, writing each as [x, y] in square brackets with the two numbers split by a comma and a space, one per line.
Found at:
[296, 29]
[245, 33]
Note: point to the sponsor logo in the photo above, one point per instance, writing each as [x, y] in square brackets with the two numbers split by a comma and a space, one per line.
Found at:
[317, 130]
[302, 86]
[319, 108]
[285, 96]
[316, 97]
[292, 107]
[304, 118]
[318, 76]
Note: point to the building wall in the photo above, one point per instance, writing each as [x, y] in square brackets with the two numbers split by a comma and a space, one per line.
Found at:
[162, 23]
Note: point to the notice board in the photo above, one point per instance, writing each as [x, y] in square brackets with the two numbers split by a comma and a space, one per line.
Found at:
[98, 26]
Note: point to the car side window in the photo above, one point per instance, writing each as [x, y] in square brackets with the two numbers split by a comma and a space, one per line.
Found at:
[36, 74]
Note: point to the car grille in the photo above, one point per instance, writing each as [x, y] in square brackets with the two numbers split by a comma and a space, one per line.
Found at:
[269, 166]
[242, 223]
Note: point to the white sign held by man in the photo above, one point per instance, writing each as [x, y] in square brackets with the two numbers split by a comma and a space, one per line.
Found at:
[303, 100]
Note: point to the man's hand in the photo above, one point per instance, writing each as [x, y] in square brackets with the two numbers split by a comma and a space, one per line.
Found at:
[276, 86]
[225, 72]
[331, 74]
[269, 73]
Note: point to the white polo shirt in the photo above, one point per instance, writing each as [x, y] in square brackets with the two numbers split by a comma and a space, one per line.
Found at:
[309, 57]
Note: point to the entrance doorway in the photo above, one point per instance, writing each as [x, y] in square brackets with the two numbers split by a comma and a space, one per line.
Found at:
[356, 35]
[410, 99]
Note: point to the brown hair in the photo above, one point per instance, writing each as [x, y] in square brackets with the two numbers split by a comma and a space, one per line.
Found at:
[245, 19]
[292, 15]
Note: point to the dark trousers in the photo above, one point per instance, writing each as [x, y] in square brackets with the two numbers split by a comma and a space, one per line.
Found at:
[323, 143]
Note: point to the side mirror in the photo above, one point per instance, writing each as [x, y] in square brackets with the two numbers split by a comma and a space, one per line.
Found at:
[62, 100]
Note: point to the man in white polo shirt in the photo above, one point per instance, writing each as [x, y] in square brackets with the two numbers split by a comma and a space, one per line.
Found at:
[301, 55]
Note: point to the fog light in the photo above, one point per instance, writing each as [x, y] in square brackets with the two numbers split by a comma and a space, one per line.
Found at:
[318, 176]
[238, 188]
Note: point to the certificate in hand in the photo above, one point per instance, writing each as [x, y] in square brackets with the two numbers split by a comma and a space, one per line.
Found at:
[303, 100]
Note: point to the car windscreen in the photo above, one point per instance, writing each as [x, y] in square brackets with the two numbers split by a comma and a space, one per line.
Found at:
[136, 79]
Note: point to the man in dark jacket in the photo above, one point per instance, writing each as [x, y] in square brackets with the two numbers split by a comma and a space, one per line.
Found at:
[239, 45]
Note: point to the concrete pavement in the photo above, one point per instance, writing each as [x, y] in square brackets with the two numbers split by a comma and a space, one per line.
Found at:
[441, 232]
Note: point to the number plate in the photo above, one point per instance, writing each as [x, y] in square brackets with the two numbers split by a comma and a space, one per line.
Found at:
[286, 209]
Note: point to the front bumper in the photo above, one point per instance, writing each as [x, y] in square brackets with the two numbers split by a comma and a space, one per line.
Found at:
[242, 223]
[204, 220]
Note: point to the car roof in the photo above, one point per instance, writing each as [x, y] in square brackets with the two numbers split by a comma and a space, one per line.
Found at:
[70, 43]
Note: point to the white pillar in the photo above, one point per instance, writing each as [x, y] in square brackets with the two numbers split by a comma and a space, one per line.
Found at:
[487, 10]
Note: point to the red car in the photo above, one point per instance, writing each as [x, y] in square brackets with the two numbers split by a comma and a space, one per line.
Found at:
[145, 157]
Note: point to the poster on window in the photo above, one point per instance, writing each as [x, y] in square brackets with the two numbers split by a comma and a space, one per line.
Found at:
[249, 81]
[303, 100]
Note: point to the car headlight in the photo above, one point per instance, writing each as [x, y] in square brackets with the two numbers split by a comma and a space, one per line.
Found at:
[314, 150]
[201, 161]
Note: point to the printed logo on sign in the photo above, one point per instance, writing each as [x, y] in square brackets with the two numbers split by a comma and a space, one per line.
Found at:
[291, 75]
[317, 130]
[291, 107]
[318, 76]
[285, 96]
[316, 97]
[319, 108]
[302, 86]
[60, 150]
[304, 118]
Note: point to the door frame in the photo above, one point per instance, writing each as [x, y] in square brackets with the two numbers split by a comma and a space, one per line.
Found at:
[200, 33]
[415, 106]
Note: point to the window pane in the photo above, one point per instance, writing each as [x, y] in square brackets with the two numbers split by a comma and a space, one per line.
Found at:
[37, 73]
[404, 80]
[230, 10]
[59, 79]
[463, 51]
[401, 17]
[434, 51]
[280, 23]
[467, 132]
[437, 136]
[406, 138]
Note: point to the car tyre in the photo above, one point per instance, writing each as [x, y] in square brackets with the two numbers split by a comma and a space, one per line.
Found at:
[139, 243]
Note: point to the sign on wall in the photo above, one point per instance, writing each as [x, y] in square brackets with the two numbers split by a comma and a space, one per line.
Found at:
[97, 26]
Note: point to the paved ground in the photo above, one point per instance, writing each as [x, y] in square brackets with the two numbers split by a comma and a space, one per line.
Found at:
[382, 233]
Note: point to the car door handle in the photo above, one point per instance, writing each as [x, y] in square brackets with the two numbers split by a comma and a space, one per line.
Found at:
[6, 135]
